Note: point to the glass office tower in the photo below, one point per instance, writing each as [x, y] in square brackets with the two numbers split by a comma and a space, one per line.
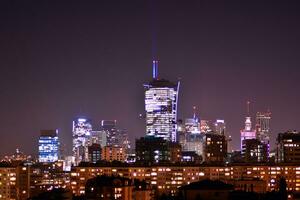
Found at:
[48, 146]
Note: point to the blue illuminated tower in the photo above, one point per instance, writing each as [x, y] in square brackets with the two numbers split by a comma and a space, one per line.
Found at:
[48, 146]
[161, 98]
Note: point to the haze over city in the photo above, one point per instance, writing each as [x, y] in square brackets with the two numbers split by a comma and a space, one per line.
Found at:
[59, 61]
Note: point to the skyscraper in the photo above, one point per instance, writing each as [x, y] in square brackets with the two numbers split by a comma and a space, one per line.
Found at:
[110, 127]
[263, 126]
[115, 136]
[247, 132]
[220, 126]
[82, 129]
[48, 146]
[161, 98]
[194, 137]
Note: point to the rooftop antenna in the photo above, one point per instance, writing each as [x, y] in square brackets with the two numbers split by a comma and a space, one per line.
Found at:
[155, 69]
[248, 108]
[194, 109]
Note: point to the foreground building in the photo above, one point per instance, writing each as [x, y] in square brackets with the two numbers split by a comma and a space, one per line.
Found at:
[207, 189]
[161, 99]
[109, 187]
[168, 178]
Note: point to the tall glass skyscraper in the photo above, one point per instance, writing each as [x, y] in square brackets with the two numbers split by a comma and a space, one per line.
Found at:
[82, 129]
[48, 146]
[161, 98]
[263, 126]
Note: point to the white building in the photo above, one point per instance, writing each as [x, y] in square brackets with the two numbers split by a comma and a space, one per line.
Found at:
[82, 129]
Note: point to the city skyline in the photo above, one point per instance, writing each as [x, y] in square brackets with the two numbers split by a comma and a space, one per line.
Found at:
[49, 78]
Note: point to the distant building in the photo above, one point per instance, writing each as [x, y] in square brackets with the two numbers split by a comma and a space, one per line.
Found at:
[263, 126]
[110, 127]
[205, 126]
[190, 157]
[113, 153]
[215, 148]
[82, 129]
[48, 146]
[161, 99]
[181, 133]
[98, 137]
[247, 132]
[94, 153]
[253, 150]
[193, 136]
[115, 136]
[17, 157]
[151, 150]
[288, 147]
[220, 127]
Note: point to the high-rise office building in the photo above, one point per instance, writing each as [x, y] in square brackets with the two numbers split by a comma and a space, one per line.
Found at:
[98, 137]
[215, 148]
[205, 126]
[94, 153]
[161, 99]
[194, 137]
[115, 136]
[82, 129]
[110, 127]
[48, 146]
[254, 151]
[150, 150]
[220, 126]
[263, 126]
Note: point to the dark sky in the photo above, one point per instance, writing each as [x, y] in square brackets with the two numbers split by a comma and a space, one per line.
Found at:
[60, 60]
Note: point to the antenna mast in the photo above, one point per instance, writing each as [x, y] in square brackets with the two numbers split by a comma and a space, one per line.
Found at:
[155, 69]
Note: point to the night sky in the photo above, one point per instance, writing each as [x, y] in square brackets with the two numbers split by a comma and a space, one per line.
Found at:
[91, 58]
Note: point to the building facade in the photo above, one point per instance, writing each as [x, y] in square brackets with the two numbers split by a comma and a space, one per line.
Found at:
[253, 150]
[82, 129]
[215, 148]
[113, 153]
[263, 126]
[48, 146]
[288, 147]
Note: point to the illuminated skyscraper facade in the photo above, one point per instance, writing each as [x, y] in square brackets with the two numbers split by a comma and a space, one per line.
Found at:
[220, 127]
[82, 129]
[48, 146]
[263, 126]
[161, 98]
[194, 137]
